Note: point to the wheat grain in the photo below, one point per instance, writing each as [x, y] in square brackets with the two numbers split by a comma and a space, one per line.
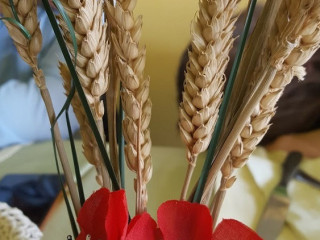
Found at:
[130, 62]
[212, 40]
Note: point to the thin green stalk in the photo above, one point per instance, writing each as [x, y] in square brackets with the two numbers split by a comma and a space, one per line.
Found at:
[75, 160]
[13, 9]
[120, 139]
[67, 20]
[67, 103]
[69, 210]
[224, 106]
[23, 30]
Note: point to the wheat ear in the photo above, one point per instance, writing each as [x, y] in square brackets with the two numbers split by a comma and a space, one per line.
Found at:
[212, 40]
[130, 62]
[303, 26]
[28, 50]
[92, 69]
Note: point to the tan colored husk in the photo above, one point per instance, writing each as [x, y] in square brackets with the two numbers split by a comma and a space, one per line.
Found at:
[28, 50]
[211, 33]
[92, 68]
[129, 64]
[304, 24]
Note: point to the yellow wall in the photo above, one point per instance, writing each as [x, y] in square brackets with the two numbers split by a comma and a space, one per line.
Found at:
[166, 28]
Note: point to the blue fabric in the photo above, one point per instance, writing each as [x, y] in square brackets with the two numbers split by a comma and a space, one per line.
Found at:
[33, 194]
[23, 117]
[11, 65]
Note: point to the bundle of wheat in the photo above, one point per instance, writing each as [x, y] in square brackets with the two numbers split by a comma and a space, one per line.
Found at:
[292, 30]
[287, 50]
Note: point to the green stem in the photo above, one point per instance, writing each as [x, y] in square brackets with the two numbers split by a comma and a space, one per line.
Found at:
[69, 210]
[121, 146]
[75, 160]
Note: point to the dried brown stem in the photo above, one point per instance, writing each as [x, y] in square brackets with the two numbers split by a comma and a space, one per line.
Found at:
[187, 180]
[60, 147]
[258, 93]
[112, 98]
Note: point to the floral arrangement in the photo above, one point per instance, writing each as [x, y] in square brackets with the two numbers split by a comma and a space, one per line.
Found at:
[227, 118]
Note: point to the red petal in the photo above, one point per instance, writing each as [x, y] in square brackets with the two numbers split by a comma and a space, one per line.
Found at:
[93, 214]
[142, 227]
[117, 219]
[234, 230]
[184, 220]
[81, 236]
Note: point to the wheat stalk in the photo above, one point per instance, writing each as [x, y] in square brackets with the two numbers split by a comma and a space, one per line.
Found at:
[130, 62]
[292, 42]
[28, 49]
[211, 42]
[92, 69]
[112, 99]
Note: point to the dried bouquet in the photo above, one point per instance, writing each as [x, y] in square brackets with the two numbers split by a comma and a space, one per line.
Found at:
[225, 117]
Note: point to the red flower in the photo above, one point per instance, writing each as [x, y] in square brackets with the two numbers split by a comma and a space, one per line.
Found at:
[143, 227]
[230, 229]
[104, 210]
[104, 216]
[184, 220]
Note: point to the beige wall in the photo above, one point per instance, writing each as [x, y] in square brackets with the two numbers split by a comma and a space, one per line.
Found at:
[166, 28]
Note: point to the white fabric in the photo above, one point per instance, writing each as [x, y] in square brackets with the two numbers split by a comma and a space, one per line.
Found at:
[247, 198]
[14, 225]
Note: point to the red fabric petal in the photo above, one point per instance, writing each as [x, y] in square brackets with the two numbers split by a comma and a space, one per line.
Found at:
[117, 219]
[93, 214]
[142, 227]
[184, 220]
[234, 230]
[81, 236]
